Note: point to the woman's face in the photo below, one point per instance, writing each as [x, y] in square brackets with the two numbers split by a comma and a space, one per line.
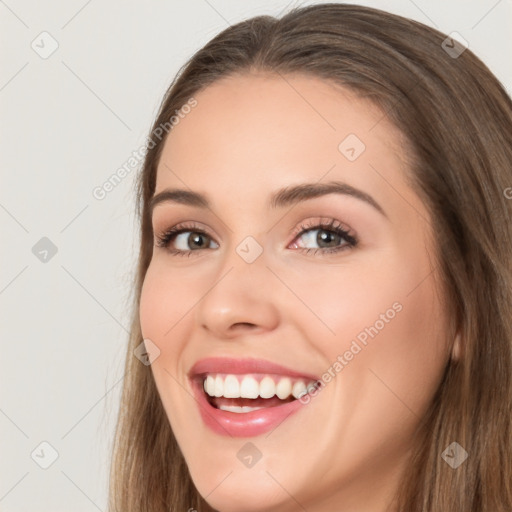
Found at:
[264, 273]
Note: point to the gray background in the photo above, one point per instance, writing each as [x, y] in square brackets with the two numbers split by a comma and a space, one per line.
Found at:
[68, 122]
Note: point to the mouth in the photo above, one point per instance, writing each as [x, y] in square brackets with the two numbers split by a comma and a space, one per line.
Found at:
[251, 392]
[244, 398]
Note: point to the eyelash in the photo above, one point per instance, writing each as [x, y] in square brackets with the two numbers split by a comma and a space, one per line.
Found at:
[332, 226]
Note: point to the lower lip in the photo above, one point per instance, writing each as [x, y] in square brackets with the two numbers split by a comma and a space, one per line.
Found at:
[246, 424]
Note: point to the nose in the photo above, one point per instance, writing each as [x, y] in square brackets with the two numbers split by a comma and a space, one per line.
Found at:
[240, 299]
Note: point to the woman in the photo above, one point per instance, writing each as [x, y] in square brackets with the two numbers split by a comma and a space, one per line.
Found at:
[278, 373]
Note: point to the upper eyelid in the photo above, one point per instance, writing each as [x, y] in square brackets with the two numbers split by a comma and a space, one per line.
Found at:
[330, 223]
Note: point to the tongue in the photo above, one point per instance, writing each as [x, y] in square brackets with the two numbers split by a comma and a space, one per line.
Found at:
[251, 402]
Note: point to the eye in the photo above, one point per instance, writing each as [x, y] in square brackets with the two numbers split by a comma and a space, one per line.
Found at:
[327, 235]
[184, 237]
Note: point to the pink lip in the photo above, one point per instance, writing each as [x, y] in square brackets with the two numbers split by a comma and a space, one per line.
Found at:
[244, 424]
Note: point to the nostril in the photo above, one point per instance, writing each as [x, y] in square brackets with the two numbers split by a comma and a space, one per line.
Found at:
[244, 324]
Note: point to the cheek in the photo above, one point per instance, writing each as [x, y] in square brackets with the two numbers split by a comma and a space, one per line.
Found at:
[153, 301]
[399, 371]
[387, 348]
[164, 302]
[383, 303]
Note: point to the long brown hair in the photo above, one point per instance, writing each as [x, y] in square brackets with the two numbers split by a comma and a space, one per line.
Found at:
[457, 119]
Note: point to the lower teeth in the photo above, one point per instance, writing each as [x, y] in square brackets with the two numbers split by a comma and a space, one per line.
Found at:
[239, 409]
[245, 405]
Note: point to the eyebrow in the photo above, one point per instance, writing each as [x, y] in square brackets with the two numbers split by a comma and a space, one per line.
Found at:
[281, 198]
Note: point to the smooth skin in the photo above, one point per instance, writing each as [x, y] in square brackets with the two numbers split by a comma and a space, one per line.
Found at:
[248, 136]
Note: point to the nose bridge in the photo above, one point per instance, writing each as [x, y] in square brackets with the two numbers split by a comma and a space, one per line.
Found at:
[246, 254]
[241, 291]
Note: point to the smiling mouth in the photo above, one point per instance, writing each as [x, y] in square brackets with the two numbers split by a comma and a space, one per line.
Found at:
[251, 392]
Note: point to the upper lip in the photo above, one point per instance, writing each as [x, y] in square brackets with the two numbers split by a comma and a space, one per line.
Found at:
[242, 366]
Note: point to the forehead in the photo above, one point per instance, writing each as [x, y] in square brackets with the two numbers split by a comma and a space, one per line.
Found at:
[252, 132]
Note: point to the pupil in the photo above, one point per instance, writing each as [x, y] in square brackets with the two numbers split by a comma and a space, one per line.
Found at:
[326, 236]
[195, 237]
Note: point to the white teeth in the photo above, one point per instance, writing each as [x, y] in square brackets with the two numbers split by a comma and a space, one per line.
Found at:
[267, 387]
[298, 389]
[284, 388]
[249, 388]
[219, 386]
[236, 408]
[209, 385]
[232, 386]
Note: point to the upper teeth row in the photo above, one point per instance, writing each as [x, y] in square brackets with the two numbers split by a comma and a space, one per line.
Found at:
[229, 386]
